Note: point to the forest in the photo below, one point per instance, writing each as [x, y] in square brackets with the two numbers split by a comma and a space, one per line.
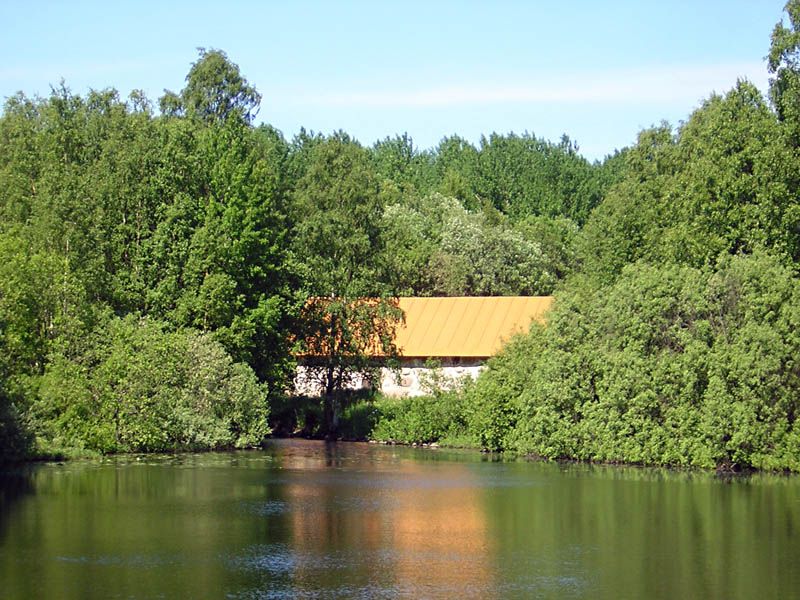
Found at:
[157, 258]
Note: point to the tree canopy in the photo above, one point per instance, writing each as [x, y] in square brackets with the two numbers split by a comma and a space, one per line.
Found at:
[215, 91]
[672, 340]
[161, 270]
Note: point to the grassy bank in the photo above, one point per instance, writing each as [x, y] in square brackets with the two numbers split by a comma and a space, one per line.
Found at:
[367, 416]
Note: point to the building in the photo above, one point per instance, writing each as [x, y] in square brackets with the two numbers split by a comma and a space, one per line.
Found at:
[447, 339]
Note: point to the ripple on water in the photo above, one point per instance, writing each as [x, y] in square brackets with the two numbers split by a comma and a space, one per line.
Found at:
[142, 561]
[350, 503]
[295, 573]
[267, 508]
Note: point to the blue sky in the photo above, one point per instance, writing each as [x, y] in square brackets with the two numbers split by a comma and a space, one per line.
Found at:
[597, 71]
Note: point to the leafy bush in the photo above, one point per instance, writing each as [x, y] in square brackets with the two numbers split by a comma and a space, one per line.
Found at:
[421, 419]
[491, 408]
[669, 365]
[359, 419]
[137, 387]
[303, 415]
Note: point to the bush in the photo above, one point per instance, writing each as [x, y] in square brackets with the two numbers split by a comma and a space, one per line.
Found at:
[423, 419]
[669, 365]
[359, 420]
[139, 388]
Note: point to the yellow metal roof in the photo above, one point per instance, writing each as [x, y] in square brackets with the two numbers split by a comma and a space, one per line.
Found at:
[469, 327]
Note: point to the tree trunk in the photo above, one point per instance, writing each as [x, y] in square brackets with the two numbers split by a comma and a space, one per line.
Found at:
[330, 410]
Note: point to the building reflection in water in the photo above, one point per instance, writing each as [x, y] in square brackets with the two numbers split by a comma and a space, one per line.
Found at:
[424, 532]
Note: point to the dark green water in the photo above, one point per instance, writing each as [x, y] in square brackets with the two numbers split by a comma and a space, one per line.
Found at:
[309, 520]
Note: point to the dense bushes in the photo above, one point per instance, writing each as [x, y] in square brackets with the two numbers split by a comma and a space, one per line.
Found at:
[138, 388]
[670, 365]
[438, 417]
[436, 247]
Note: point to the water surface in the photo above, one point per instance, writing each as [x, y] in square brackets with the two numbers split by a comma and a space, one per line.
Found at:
[314, 520]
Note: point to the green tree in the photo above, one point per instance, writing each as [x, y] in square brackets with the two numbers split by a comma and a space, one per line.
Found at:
[456, 164]
[557, 238]
[434, 246]
[523, 175]
[398, 161]
[338, 209]
[627, 224]
[722, 183]
[409, 247]
[783, 62]
[479, 258]
[215, 91]
[40, 301]
[235, 279]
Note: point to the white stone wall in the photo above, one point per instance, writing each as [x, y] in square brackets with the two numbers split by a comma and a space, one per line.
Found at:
[304, 383]
[419, 381]
[310, 382]
[413, 378]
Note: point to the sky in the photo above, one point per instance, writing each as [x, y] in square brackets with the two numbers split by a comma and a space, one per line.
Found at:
[599, 72]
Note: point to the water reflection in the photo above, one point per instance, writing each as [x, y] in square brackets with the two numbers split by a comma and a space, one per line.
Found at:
[411, 523]
[654, 533]
[306, 519]
[15, 484]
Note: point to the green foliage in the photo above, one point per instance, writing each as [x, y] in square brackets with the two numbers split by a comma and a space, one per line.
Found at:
[477, 258]
[422, 419]
[215, 92]
[40, 300]
[135, 387]
[348, 316]
[627, 224]
[722, 183]
[411, 237]
[456, 166]
[519, 175]
[337, 211]
[783, 62]
[669, 365]
[434, 246]
[398, 161]
[439, 416]
[359, 419]
[556, 237]
[233, 276]
[523, 175]
[492, 407]
[303, 416]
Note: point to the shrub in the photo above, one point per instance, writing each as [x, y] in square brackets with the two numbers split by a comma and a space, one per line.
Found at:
[421, 419]
[140, 388]
[668, 365]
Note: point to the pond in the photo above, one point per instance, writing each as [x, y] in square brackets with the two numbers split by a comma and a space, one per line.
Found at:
[305, 519]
